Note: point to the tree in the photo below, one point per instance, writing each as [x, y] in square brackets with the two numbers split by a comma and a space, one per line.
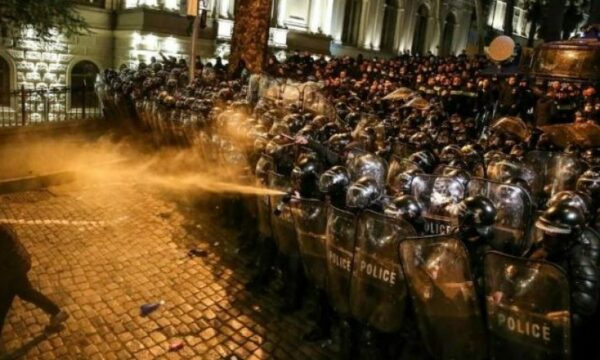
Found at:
[480, 18]
[594, 12]
[508, 18]
[43, 16]
[573, 17]
[534, 17]
[553, 16]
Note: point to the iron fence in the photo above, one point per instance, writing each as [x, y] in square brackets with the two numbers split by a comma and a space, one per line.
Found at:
[31, 107]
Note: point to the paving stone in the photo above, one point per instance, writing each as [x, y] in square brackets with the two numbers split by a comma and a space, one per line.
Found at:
[102, 274]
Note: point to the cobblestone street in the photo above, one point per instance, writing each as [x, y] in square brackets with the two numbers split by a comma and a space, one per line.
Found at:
[102, 250]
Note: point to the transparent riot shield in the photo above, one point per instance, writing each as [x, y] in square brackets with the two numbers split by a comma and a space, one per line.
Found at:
[378, 291]
[528, 308]
[563, 172]
[282, 221]
[514, 213]
[403, 150]
[539, 161]
[263, 167]
[340, 242]
[439, 197]
[396, 179]
[367, 164]
[441, 286]
[310, 218]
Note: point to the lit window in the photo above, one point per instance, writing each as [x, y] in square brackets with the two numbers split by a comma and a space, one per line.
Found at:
[496, 17]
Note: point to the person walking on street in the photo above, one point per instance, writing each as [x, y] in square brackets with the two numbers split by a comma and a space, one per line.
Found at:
[15, 263]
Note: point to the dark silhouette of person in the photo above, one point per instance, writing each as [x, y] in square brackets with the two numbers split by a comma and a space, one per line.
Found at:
[15, 263]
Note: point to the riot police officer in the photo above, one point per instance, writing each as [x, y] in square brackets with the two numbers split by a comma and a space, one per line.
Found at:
[566, 241]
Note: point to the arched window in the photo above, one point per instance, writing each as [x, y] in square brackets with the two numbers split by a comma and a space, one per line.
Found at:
[388, 32]
[83, 77]
[448, 34]
[4, 83]
[418, 45]
[351, 22]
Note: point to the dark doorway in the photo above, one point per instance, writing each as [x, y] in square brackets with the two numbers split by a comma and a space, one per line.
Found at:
[448, 34]
[418, 46]
[388, 32]
[83, 78]
[4, 82]
[351, 22]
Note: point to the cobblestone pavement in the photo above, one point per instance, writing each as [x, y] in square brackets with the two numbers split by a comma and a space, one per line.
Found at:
[103, 250]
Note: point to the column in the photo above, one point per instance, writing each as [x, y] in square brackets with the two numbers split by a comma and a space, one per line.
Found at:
[399, 41]
[378, 25]
[224, 9]
[461, 33]
[314, 15]
[281, 13]
[363, 29]
[327, 17]
[337, 21]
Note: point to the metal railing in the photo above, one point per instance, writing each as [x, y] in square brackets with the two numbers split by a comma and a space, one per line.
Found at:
[32, 107]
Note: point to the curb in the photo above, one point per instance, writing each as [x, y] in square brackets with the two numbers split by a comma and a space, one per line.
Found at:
[26, 183]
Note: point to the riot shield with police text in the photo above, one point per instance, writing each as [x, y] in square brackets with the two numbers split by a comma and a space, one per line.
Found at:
[514, 213]
[310, 218]
[282, 221]
[378, 291]
[528, 308]
[340, 242]
[440, 197]
[442, 290]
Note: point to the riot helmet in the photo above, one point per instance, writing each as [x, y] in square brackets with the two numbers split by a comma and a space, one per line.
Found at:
[425, 160]
[589, 182]
[559, 226]
[334, 182]
[305, 175]
[577, 199]
[407, 208]
[476, 216]
[363, 193]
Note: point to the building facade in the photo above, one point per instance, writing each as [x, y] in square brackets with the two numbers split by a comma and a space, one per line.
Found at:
[129, 31]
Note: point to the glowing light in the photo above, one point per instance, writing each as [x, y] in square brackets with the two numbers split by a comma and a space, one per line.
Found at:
[225, 29]
[171, 4]
[170, 45]
[151, 42]
[136, 39]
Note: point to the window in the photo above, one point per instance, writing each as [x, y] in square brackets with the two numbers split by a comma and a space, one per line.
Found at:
[83, 77]
[519, 21]
[4, 83]
[496, 18]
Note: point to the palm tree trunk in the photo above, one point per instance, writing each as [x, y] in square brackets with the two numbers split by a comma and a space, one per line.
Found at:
[249, 41]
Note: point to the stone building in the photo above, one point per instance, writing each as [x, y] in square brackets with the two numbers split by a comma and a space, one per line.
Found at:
[128, 31]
